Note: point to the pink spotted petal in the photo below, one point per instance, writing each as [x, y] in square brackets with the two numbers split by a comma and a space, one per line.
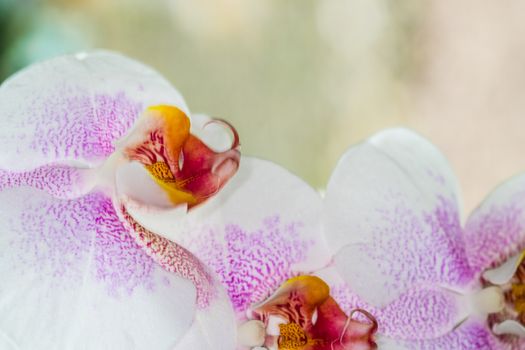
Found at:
[261, 229]
[468, 336]
[419, 313]
[60, 181]
[496, 229]
[74, 278]
[391, 217]
[73, 108]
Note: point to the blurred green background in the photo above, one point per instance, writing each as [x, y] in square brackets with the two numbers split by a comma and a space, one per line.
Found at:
[304, 79]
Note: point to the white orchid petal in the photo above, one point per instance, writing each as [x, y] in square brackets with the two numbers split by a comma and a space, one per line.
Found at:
[472, 334]
[213, 328]
[391, 215]
[421, 312]
[495, 231]
[73, 277]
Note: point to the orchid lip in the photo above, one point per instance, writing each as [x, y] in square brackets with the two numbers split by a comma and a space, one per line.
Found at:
[186, 171]
[302, 314]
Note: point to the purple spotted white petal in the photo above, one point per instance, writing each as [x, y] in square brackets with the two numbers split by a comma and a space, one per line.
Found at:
[418, 313]
[71, 109]
[58, 180]
[495, 231]
[470, 335]
[391, 217]
[73, 277]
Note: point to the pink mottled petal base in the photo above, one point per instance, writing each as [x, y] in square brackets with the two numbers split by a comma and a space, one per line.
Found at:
[496, 229]
[73, 277]
[468, 336]
[406, 317]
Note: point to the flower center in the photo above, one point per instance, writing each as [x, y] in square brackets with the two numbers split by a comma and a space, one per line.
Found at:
[311, 319]
[516, 294]
[291, 337]
[489, 300]
[509, 279]
[180, 164]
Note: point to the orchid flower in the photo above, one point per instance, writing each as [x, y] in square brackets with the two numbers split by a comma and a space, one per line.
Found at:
[72, 276]
[124, 227]
[392, 214]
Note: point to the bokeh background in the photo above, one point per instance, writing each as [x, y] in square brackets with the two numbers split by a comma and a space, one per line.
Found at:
[304, 79]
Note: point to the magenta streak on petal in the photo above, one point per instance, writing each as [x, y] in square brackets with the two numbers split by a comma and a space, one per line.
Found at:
[252, 265]
[173, 258]
[496, 233]
[424, 247]
[58, 238]
[444, 221]
[58, 180]
[85, 126]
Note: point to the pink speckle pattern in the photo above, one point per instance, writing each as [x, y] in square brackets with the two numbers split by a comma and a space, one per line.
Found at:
[420, 313]
[252, 265]
[85, 126]
[420, 247]
[468, 336]
[119, 260]
[496, 230]
[64, 123]
[58, 180]
[66, 241]
[173, 258]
